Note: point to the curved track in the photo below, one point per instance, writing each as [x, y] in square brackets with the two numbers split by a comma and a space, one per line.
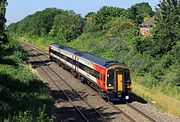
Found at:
[111, 104]
[84, 115]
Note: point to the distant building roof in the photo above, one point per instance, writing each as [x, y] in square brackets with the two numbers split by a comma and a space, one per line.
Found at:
[150, 21]
[145, 27]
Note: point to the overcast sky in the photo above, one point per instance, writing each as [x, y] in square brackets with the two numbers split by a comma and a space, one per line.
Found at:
[18, 9]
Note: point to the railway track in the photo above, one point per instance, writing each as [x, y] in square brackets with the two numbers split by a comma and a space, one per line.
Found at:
[84, 115]
[140, 112]
[110, 103]
[124, 113]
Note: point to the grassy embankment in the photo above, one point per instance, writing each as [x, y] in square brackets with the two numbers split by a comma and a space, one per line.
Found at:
[23, 96]
[95, 44]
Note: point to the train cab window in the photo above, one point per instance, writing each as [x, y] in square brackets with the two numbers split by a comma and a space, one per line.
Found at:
[110, 78]
[127, 75]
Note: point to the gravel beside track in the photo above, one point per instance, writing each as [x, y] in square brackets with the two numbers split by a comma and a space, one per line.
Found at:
[64, 110]
[158, 115]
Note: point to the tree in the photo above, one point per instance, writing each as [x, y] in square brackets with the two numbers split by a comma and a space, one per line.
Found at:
[46, 20]
[140, 11]
[166, 33]
[90, 25]
[105, 14]
[38, 24]
[67, 26]
[3, 36]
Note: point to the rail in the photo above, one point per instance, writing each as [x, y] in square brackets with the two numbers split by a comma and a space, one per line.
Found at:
[102, 117]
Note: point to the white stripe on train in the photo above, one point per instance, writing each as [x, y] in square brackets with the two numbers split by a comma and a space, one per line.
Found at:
[89, 76]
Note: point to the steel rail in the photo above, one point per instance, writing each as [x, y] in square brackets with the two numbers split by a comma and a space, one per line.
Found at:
[111, 104]
[140, 112]
[71, 102]
[102, 116]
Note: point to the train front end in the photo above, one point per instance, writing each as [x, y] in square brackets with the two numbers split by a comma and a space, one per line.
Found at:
[118, 82]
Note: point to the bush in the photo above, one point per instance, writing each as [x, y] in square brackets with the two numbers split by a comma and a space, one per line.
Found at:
[21, 92]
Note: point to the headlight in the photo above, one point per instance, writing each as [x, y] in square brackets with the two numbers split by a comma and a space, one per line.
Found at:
[127, 97]
[109, 85]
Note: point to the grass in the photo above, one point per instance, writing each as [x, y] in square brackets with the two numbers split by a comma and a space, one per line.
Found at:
[157, 98]
[23, 96]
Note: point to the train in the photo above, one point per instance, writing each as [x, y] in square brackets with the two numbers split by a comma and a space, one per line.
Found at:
[110, 78]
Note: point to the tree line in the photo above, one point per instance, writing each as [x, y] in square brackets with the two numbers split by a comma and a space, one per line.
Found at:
[67, 25]
[154, 57]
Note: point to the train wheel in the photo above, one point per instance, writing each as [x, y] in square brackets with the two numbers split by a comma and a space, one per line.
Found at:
[64, 67]
[74, 73]
[82, 79]
[104, 96]
[51, 58]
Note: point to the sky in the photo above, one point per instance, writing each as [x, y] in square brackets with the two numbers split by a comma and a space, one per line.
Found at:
[18, 9]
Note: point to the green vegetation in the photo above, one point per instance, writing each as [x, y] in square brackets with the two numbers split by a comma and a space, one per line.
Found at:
[3, 36]
[113, 33]
[23, 96]
[67, 26]
[140, 11]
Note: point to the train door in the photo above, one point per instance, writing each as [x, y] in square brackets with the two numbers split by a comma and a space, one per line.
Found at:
[76, 63]
[118, 80]
[73, 62]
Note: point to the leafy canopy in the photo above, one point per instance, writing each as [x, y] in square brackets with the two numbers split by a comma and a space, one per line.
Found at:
[3, 36]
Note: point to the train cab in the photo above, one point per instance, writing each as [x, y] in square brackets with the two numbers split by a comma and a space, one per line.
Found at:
[118, 81]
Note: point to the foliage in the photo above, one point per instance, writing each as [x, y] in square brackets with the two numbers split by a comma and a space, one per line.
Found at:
[105, 14]
[21, 92]
[3, 36]
[90, 24]
[38, 24]
[121, 27]
[67, 26]
[166, 32]
[140, 11]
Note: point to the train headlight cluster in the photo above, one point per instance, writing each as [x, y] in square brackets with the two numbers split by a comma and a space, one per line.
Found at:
[109, 84]
[127, 97]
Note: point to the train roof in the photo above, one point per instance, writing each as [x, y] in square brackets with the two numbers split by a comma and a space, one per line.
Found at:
[98, 60]
[68, 49]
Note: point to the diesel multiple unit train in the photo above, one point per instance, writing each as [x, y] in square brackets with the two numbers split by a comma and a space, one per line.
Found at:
[110, 78]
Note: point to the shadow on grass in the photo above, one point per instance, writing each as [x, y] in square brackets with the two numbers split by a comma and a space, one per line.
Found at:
[8, 61]
[16, 97]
